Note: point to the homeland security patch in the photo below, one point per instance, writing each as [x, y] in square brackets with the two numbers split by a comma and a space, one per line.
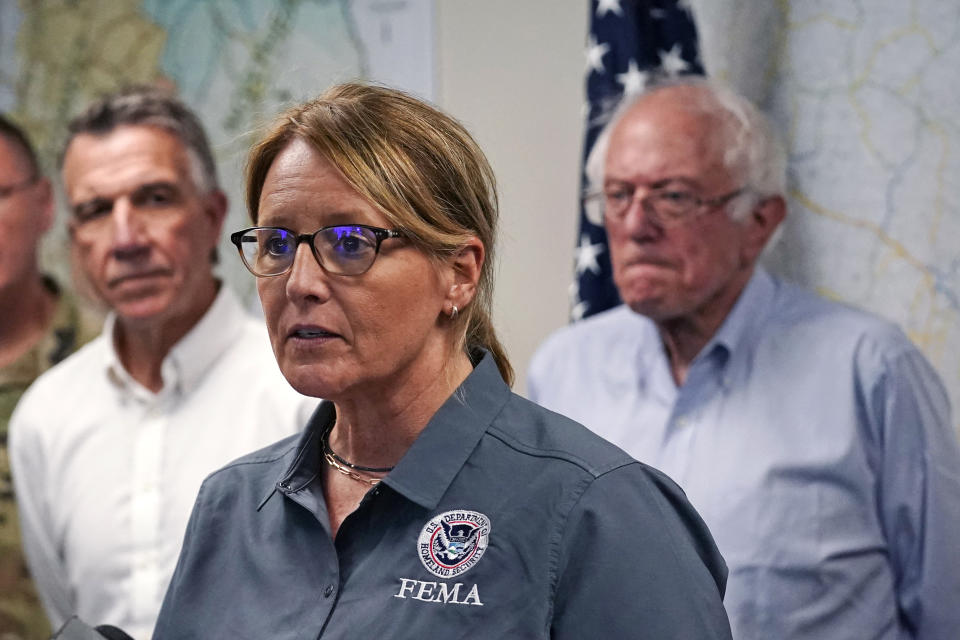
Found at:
[453, 542]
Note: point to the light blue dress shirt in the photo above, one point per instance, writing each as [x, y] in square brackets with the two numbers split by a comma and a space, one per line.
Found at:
[814, 440]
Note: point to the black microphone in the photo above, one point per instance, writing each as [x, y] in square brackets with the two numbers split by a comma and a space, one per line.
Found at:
[111, 632]
[77, 629]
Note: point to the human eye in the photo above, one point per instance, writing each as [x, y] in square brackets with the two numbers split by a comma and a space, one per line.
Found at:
[155, 196]
[677, 195]
[617, 197]
[352, 242]
[346, 249]
[91, 210]
[276, 243]
[617, 194]
[674, 201]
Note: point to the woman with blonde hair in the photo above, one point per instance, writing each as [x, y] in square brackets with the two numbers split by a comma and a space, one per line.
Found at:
[423, 499]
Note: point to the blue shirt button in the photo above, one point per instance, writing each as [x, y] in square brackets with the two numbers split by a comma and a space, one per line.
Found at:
[328, 591]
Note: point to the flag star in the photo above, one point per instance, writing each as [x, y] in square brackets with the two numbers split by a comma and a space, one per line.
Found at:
[579, 310]
[578, 307]
[633, 80]
[672, 61]
[595, 52]
[587, 255]
[606, 6]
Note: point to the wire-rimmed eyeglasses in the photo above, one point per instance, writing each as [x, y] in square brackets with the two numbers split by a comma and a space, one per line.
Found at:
[665, 206]
[345, 249]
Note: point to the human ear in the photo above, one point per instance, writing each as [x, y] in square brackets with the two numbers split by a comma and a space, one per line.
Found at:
[760, 225]
[215, 208]
[465, 268]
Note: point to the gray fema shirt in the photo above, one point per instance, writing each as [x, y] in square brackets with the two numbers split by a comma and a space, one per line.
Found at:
[503, 520]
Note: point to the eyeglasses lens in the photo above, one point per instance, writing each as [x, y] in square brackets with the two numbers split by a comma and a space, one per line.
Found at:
[347, 250]
[268, 251]
[673, 205]
[664, 206]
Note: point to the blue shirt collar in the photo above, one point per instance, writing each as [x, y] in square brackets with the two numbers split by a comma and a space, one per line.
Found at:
[748, 315]
[731, 341]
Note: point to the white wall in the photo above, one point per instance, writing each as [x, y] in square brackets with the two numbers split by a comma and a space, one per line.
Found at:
[512, 71]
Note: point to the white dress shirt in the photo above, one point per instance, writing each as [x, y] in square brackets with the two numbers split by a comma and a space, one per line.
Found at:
[106, 472]
[814, 440]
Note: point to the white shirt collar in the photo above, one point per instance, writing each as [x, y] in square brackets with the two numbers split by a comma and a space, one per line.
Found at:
[191, 356]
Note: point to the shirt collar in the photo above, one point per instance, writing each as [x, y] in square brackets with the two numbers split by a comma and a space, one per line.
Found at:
[744, 320]
[747, 316]
[439, 452]
[193, 354]
[306, 462]
[437, 455]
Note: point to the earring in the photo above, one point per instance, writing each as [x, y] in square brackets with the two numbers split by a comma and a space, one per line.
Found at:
[454, 312]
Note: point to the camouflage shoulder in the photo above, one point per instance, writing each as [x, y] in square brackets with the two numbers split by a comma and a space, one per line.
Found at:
[75, 323]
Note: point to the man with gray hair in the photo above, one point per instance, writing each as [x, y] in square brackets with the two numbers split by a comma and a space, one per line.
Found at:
[109, 448]
[813, 438]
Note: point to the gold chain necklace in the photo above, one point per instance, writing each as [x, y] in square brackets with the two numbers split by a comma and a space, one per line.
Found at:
[348, 468]
[350, 473]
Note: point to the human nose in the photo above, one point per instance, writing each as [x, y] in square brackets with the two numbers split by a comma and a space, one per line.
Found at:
[638, 219]
[127, 229]
[306, 279]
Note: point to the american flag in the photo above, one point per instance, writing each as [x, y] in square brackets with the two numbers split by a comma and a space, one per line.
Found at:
[630, 42]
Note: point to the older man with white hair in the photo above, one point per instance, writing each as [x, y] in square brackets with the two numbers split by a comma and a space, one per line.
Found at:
[813, 438]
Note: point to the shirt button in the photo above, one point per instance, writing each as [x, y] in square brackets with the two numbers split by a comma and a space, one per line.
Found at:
[328, 591]
[284, 485]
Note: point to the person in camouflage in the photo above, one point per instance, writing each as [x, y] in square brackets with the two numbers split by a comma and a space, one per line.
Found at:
[39, 326]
